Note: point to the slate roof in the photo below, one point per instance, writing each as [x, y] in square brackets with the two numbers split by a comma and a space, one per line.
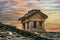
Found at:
[32, 12]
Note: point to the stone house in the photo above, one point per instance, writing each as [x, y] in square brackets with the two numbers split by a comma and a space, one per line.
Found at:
[33, 21]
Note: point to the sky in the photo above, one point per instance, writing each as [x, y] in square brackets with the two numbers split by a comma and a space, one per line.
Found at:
[11, 10]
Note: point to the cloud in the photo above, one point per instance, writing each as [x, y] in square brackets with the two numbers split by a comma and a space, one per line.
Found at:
[53, 17]
[10, 6]
[43, 4]
[7, 6]
[51, 4]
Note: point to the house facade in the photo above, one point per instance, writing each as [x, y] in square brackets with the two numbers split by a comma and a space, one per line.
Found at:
[33, 21]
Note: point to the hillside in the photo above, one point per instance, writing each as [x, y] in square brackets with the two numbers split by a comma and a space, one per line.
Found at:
[7, 31]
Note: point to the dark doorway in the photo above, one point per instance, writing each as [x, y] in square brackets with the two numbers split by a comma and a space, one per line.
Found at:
[24, 26]
[40, 24]
[35, 26]
[27, 25]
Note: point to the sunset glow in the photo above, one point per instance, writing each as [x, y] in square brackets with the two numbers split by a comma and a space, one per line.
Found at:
[14, 9]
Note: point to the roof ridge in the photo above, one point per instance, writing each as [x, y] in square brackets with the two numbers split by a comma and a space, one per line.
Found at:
[31, 12]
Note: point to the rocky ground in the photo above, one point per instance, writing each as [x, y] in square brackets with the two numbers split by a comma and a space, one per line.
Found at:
[51, 35]
[13, 37]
